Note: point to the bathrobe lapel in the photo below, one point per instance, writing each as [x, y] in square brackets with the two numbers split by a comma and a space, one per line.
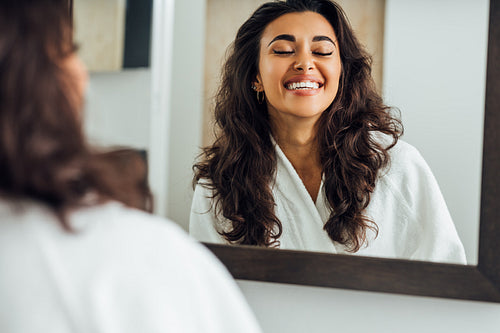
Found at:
[301, 218]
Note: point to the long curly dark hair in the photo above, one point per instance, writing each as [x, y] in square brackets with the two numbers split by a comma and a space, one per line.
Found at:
[240, 166]
[43, 152]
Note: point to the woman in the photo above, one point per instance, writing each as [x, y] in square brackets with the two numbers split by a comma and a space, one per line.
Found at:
[73, 256]
[308, 157]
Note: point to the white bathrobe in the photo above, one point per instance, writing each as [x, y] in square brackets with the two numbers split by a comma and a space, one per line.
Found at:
[121, 271]
[407, 206]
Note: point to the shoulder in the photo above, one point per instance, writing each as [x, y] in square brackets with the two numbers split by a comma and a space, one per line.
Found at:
[112, 214]
[203, 189]
[404, 153]
[164, 265]
[136, 261]
[202, 202]
[404, 160]
[408, 187]
[119, 222]
[407, 175]
[197, 280]
[400, 153]
[204, 224]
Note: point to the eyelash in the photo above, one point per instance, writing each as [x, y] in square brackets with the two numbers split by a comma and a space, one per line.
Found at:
[290, 52]
[323, 54]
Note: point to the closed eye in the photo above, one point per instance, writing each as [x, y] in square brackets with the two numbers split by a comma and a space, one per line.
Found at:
[323, 54]
[282, 52]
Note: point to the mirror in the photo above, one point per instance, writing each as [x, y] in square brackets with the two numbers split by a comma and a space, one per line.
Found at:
[427, 71]
[175, 109]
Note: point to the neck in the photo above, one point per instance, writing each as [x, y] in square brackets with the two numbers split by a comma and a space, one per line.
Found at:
[299, 143]
[297, 138]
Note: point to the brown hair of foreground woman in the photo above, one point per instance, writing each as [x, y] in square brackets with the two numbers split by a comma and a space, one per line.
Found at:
[240, 165]
[43, 152]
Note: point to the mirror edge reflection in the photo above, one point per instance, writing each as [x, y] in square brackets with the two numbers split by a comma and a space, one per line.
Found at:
[480, 283]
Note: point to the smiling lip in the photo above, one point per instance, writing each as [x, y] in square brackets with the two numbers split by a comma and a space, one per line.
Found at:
[303, 85]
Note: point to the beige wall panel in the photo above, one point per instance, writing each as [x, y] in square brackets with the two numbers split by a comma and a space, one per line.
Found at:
[224, 17]
[367, 19]
[100, 32]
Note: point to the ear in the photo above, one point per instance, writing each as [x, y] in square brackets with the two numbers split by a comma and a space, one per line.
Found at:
[257, 84]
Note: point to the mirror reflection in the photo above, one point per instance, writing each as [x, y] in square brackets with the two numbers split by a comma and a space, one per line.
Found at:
[421, 71]
[429, 216]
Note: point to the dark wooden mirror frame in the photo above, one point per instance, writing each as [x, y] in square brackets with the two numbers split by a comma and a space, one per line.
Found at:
[480, 283]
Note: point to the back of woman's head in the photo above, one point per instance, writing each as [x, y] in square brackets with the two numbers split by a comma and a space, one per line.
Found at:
[43, 153]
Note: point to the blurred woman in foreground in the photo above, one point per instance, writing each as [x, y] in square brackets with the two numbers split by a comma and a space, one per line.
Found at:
[73, 256]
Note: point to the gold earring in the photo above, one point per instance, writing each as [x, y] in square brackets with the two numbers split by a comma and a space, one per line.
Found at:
[260, 97]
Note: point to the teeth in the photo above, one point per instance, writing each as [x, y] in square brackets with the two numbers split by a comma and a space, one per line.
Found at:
[303, 85]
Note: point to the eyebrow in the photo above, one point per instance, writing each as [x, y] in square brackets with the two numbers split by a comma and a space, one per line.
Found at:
[322, 38]
[291, 38]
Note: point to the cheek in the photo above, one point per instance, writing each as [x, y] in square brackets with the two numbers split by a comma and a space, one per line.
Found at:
[77, 73]
[81, 77]
[271, 74]
[334, 74]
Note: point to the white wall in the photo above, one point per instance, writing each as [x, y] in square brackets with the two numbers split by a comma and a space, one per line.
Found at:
[298, 309]
[435, 72]
[186, 107]
[117, 108]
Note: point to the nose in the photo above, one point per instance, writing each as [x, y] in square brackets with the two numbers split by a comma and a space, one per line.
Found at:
[304, 61]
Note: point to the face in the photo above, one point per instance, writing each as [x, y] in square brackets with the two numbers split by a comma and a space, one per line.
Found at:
[79, 77]
[299, 66]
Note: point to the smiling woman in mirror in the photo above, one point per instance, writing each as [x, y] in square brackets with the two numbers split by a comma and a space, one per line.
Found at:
[307, 156]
